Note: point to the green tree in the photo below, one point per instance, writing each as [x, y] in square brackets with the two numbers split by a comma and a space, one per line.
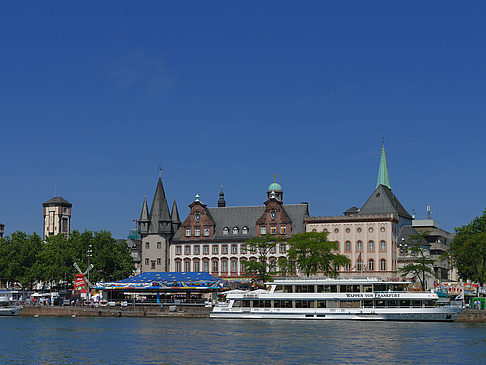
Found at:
[468, 250]
[422, 265]
[313, 253]
[261, 246]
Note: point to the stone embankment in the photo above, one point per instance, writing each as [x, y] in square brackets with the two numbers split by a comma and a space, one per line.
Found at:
[472, 315]
[137, 311]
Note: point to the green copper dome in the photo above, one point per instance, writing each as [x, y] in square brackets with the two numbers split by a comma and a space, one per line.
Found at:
[274, 187]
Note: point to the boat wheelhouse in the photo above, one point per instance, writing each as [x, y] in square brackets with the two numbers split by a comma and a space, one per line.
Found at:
[352, 299]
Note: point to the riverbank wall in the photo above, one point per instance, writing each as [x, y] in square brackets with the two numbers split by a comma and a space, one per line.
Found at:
[136, 311]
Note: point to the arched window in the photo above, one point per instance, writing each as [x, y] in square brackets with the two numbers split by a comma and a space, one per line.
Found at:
[371, 246]
[382, 246]
[244, 230]
[347, 246]
[242, 264]
[359, 246]
[371, 265]
[235, 230]
[359, 265]
[225, 230]
[347, 267]
[337, 242]
[383, 265]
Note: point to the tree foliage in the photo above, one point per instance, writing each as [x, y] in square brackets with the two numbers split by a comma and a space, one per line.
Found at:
[261, 247]
[25, 259]
[313, 253]
[422, 265]
[468, 250]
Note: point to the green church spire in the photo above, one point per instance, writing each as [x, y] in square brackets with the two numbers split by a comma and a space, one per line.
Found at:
[383, 170]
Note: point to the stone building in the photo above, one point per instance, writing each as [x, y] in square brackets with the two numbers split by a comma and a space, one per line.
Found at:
[213, 239]
[2, 230]
[369, 236]
[57, 217]
[156, 231]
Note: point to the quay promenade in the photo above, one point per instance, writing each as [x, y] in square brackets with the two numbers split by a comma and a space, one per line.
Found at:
[184, 311]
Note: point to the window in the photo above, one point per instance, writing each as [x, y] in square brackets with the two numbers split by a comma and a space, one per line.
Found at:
[206, 232]
[358, 230]
[244, 230]
[206, 249]
[273, 214]
[347, 246]
[382, 246]
[263, 230]
[206, 266]
[242, 265]
[235, 230]
[225, 230]
[273, 230]
[370, 229]
[197, 232]
[234, 266]
[359, 265]
[178, 250]
[187, 250]
[234, 249]
[371, 246]
[337, 242]
[159, 245]
[273, 265]
[224, 266]
[224, 249]
[187, 266]
[152, 264]
[325, 230]
[359, 246]
[283, 230]
[382, 229]
[188, 232]
[243, 249]
[197, 217]
[347, 267]
[282, 248]
[159, 261]
[347, 230]
[196, 250]
[146, 261]
[196, 266]
[215, 266]
[371, 265]
[178, 266]
[383, 265]
[147, 245]
[215, 250]
[336, 230]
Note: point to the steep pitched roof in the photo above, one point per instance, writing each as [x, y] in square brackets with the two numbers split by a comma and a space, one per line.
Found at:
[144, 215]
[384, 201]
[175, 214]
[383, 178]
[159, 211]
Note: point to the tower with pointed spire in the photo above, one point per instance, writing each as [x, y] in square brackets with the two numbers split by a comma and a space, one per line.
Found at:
[157, 229]
[383, 178]
[221, 201]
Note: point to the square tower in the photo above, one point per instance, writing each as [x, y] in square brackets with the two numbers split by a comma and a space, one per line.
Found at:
[57, 217]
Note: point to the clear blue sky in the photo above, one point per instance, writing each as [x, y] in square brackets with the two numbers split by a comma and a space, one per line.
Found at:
[94, 96]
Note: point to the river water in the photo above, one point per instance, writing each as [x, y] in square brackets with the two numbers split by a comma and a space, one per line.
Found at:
[60, 340]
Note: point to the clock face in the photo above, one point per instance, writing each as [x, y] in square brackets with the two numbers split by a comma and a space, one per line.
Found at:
[273, 214]
[197, 217]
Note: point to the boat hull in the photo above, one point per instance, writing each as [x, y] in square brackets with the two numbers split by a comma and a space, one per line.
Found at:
[413, 314]
[9, 311]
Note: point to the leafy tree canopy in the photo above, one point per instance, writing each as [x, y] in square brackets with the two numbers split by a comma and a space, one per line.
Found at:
[261, 246]
[422, 266]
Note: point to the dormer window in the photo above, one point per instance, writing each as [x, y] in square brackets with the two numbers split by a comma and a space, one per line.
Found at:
[235, 230]
[225, 230]
[244, 230]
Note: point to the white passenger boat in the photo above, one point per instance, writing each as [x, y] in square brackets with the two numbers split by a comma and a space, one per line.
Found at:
[352, 299]
[9, 309]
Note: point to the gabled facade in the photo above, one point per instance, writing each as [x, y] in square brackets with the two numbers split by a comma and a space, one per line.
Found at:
[156, 231]
[214, 239]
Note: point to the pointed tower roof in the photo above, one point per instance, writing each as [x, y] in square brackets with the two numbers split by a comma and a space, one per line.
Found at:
[221, 201]
[383, 178]
[383, 201]
[159, 212]
[144, 215]
[175, 214]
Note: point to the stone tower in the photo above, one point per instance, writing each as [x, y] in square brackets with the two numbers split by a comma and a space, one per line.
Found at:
[57, 217]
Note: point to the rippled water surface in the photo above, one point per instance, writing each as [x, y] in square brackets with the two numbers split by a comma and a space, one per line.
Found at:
[49, 340]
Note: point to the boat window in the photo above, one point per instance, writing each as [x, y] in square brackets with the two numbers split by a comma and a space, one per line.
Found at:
[368, 288]
[246, 303]
[333, 288]
[276, 303]
[349, 304]
[304, 304]
[344, 288]
[430, 303]
[404, 303]
[321, 304]
[380, 287]
[286, 304]
[417, 303]
[304, 288]
[392, 303]
[367, 304]
[237, 304]
[288, 289]
[380, 304]
[324, 288]
[278, 288]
